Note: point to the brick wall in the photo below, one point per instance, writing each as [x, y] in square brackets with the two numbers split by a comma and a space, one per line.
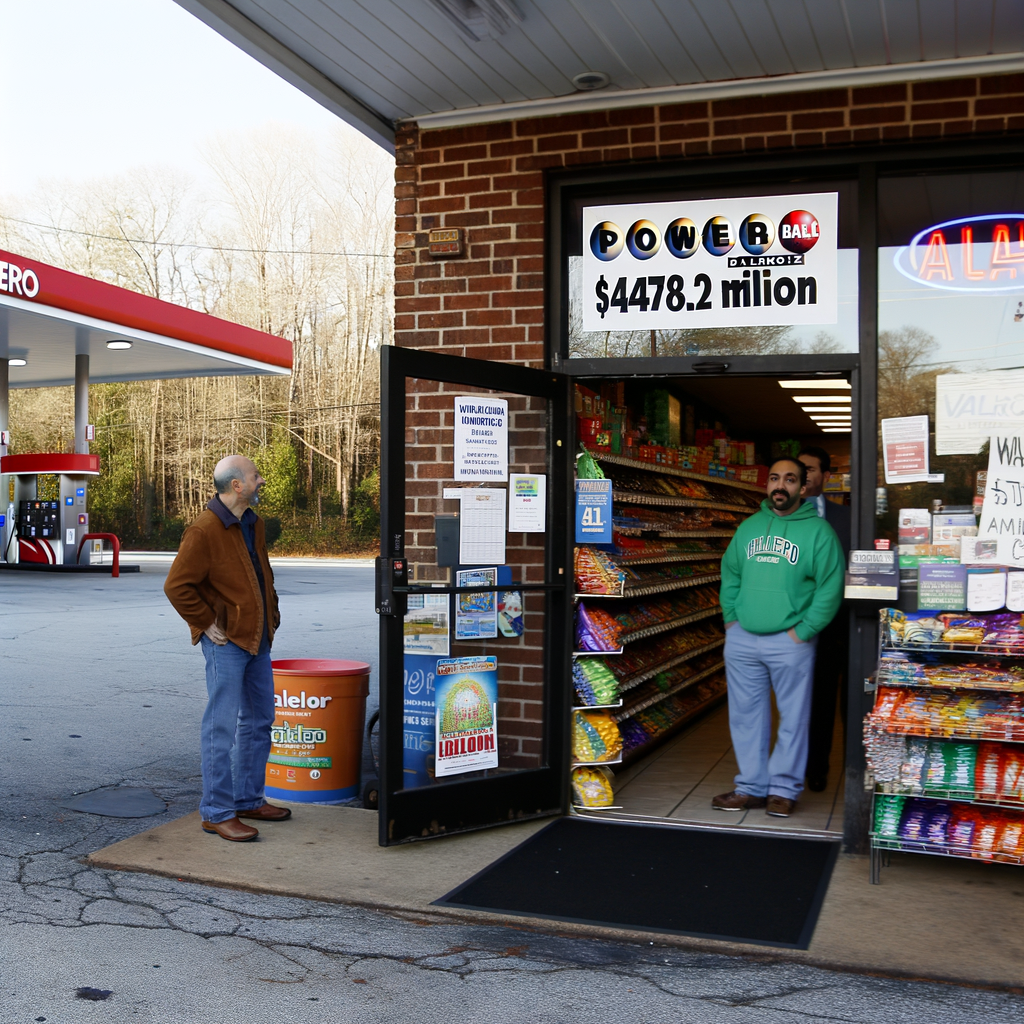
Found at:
[488, 179]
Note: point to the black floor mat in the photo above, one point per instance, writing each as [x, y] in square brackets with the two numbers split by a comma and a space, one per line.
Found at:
[730, 884]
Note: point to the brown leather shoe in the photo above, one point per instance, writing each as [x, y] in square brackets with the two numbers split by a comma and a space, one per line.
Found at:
[267, 812]
[780, 807]
[736, 801]
[233, 830]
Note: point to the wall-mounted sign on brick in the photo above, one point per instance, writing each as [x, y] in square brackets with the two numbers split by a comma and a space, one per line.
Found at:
[446, 242]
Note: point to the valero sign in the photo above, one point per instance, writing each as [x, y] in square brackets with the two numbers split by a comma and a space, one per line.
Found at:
[973, 254]
[711, 263]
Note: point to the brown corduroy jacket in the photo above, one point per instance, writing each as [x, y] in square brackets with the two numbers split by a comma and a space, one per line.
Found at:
[212, 580]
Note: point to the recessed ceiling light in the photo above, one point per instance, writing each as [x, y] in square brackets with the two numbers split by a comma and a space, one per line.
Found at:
[589, 81]
[837, 399]
[118, 344]
[17, 362]
[843, 385]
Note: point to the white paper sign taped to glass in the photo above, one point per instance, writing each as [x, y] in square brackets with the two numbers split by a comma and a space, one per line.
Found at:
[466, 714]
[905, 449]
[971, 407]
[1002, 512]
[593, 511]
[745, 262]
[481, 438]
[482, 526]
[527, 503]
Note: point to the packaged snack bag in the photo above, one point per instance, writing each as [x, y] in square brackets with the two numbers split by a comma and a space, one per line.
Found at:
[914, 821]
[596, 630]
[960, 761]
[962, 826]
[888, 811]
[592, 786]
[986, 837]
[594, 681]
[596, 736]
[988, 771]
[937, 825]
[1012, 781]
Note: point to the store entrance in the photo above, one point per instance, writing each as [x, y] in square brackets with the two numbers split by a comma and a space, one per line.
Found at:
[688, 457]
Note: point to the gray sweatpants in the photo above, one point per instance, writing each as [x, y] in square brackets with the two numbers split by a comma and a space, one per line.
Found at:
[754, 666]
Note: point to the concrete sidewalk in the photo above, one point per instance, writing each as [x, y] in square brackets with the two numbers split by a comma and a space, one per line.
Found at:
[930, 917]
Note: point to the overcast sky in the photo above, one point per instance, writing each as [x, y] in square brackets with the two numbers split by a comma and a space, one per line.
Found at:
[92, 87]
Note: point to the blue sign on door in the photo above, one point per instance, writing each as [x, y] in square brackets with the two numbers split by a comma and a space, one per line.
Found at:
[593, 511]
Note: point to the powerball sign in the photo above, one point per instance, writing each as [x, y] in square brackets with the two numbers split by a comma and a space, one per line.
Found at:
[593, 511]
[710, 263]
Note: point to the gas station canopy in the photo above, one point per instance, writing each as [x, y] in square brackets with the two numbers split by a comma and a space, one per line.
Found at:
[49, 316]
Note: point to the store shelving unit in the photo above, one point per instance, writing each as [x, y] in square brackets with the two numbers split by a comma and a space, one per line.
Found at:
[683, 691]
[949, 671]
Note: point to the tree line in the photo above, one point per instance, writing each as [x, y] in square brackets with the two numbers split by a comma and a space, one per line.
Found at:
[291, 234]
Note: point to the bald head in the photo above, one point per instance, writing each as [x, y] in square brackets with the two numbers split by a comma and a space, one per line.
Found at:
[238, 483]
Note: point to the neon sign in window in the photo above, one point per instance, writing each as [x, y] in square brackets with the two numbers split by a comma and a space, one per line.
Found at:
[972, 254]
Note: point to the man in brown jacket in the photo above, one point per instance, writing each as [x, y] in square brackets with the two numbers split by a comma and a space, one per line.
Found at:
[222, 585]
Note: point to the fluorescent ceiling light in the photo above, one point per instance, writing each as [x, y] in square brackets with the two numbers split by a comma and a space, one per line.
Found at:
[831, 419]
[118, 344]
[836, 430]
[842, 385]
[838, 399]
[17, 362]
[822, 408]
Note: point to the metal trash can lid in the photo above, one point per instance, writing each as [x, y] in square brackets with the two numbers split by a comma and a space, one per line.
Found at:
[319, 667]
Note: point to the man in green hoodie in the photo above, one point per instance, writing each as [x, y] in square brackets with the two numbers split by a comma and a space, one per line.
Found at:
[782, 583]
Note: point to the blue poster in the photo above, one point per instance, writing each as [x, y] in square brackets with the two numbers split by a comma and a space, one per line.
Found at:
[593, 511]
[418, 721]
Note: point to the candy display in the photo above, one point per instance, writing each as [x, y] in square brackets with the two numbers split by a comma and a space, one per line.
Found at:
[939, 713]
[596, 629]
[651, 724]
[646, 658]
[592, 786]
[665, 684]
[595, 572]
[896, 668]
[939, 826]
[594, 682]
[595, 737]
[909, 629]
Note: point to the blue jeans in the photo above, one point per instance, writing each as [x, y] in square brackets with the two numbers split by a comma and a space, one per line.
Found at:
[236, 728]
[756, 664]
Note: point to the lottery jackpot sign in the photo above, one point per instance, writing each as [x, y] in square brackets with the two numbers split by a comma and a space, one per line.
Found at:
[712, 263]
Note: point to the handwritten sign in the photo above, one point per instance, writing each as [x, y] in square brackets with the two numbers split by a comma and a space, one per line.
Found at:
[1002, 513]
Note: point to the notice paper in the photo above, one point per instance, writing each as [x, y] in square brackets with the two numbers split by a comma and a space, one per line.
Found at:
[527, 502]
[1002, 512]
[482, 526]
[476, 617]
[986, 590]
[426, 624]
[942, 588]
[466, 714]
[1015, 591]
[481, 438]
[905, 448]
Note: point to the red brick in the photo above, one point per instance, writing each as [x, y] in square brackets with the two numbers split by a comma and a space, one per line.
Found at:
[474, 218]
[429, 189]
[405, 207]
[562, 123]
[939, 111]
[875, 94]
[530, 352]
[539, 162]
[750, 125]
[463, 153]
[748, 105]
[682, 112]
[477, 300]
[646, 134]
[670, 149]
[489, 284]
[467, 185]
[405, 288]
[753, 143]
[495, 234]
[779, 141]
[414, 305]
[516, 182]
[518, 249]
[479, 252]
[945, 89]
[530, 316]
[442, 205]
[839, 137]
[926, 130]
[490, 200]
[605, 137]
[443, 286]
[517, 148]
[726, 145]
[820, 119]
[517, 214]
[990, 124]
[894, 131]
[405, 322]
[583, 156]
[557, 143]
[490, 167]
[488, 317]
[994, 85]
[1003, 105]
[697, 148]
[807, 139]
[964, 127]
[420, 339]
[502, 352]
[528, 292]
[877, 115]
[530, 197]
[872, 134]
[631, 115]
[1015, 123]
[440, 137]
[438, 321]
[440, 172]
[692, 130]
[645, 152]
[612, 156]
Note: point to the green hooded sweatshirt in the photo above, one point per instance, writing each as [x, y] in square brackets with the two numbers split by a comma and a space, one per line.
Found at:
[783, 572]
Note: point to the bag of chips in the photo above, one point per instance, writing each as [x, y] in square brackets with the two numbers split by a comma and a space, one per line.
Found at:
[888, 811]
[988, 771]
[592, 786]
[596, 630]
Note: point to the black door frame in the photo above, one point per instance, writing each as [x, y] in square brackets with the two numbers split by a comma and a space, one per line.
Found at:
[454, 806]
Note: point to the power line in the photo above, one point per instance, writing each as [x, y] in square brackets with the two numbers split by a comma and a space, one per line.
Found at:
[192, 245]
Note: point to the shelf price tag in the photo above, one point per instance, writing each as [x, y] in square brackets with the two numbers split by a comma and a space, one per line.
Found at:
[593, 511]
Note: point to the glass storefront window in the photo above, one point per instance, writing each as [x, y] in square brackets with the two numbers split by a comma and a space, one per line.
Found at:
[950, 300]
[840, 337]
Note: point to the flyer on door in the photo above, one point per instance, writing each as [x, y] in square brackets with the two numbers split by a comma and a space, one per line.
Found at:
[466, 714]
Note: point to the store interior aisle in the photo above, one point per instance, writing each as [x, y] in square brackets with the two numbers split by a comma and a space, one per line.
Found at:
[679, 779]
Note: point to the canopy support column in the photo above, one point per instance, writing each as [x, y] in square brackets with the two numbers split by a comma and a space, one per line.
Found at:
[81, 403]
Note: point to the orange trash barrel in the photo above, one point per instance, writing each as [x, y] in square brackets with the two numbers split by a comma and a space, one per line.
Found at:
[316, 744]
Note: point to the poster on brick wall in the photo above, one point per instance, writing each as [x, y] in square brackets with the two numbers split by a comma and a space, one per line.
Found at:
[748, 262]
[481, 438]
[466, 714]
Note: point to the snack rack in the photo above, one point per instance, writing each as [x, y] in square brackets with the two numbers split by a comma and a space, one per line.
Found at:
[668, 665]
[945, 745]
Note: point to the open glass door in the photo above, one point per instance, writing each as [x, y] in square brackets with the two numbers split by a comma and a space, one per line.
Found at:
[475, 619]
